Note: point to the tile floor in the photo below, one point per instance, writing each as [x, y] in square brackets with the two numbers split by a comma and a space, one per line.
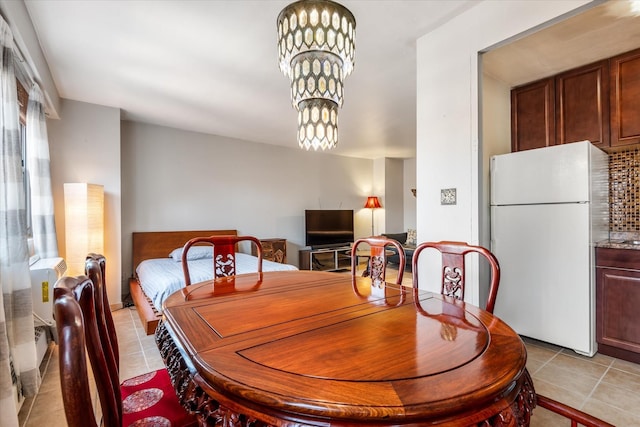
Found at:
[603, 386]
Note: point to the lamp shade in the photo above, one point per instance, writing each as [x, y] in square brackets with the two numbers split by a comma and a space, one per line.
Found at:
[372, 202]
[84, 223]
[316, 49]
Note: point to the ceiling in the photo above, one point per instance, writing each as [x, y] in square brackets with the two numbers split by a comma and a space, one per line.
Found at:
[600, 32]
[211, 66]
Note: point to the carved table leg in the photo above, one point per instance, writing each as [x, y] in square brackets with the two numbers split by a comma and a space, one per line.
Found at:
[191, 396]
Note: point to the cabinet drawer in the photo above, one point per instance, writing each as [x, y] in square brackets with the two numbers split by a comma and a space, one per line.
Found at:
[618, 258]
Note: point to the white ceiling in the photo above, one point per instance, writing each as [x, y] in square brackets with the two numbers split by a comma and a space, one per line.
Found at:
[211, 66]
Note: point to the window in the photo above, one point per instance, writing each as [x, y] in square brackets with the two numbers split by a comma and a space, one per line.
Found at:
[23, 100]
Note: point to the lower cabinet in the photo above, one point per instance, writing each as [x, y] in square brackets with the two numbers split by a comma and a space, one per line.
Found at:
[326, 259]
[618, 303]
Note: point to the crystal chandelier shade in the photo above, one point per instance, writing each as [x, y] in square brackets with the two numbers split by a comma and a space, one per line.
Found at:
[316, 51]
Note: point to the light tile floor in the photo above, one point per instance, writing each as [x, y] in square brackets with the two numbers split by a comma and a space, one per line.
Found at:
[603, 386]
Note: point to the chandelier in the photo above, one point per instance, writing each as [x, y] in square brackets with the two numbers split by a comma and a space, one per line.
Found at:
[316, 46]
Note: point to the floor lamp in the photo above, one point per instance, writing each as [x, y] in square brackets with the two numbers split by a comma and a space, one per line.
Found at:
[372, 203]
[84, 223]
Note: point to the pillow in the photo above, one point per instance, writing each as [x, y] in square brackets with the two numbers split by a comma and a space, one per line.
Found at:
[412, 237]
[195, 252]
[400, 237]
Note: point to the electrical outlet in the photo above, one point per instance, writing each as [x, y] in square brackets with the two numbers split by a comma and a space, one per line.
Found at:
[448, 196]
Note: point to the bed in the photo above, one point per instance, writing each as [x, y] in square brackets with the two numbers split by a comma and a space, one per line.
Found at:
[157, 274]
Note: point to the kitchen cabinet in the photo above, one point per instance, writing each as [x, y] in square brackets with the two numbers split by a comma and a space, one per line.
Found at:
[617, 302]
[532, 115]
[569, 107]
[625, 99]
[582, 105]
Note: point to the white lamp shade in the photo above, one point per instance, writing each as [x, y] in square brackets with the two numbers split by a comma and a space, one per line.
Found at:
[84, 223]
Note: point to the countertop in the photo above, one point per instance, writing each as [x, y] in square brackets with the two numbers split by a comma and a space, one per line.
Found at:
[619, 244]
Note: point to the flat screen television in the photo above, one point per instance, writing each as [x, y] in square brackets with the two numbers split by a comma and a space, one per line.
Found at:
[326, 228]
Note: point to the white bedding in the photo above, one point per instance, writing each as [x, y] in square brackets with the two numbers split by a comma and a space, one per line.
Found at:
[160, 277]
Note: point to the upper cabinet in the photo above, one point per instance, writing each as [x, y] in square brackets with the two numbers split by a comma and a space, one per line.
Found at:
[582, 105]
[570, 107]
[625, 99]
[532, 115]
[599, 102]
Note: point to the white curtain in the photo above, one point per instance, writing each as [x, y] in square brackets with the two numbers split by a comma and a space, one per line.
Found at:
[17, 341]
[38, 164]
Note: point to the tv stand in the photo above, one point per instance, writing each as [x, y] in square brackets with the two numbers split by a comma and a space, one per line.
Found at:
[326, 259]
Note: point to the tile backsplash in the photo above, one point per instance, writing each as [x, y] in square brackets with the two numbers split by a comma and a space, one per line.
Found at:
[624, 191]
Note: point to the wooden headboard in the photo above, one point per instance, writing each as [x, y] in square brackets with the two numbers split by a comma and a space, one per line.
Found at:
[158, 244]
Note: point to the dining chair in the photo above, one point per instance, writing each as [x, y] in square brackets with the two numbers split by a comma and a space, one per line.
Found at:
[453, 272]
[377, 263]
[224, 254]
[575, 416]
[147, 399]
[94, 269]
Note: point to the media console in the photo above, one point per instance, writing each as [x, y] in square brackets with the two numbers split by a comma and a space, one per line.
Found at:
[326, 259]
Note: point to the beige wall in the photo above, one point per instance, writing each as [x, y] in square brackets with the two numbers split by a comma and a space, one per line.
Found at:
[85, 147]
[177, 179]
[408, 201]
[394, 196]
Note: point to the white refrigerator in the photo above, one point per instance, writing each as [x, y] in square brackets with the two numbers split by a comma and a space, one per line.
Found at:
[548, 208]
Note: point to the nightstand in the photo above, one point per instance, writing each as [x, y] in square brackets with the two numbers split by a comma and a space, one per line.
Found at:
[273, 250]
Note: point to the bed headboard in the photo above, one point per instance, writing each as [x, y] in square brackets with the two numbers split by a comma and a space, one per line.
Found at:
[158, 244]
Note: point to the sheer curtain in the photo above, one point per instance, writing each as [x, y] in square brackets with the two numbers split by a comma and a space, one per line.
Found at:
[38, 165]
[17, 342]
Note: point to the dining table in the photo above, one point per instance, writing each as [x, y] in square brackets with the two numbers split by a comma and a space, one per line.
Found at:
[313, 348]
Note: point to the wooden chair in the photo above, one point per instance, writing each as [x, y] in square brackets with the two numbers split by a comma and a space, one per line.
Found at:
[576, 416]
[82, 330]
[377, 264]
[224, 254]
[453, 273]
[94, 268]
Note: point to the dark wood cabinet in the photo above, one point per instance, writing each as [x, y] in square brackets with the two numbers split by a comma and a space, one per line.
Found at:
[272, 250]
[618, 302]
[625, 99]
[582, 104]
[532, 115]
[599, 102]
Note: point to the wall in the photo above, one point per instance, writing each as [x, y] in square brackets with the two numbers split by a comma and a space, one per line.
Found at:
[394, 196]
[409, 202]
[449, 144]
[624, 193]
[495, 122]
[177, 180]
[85, 147]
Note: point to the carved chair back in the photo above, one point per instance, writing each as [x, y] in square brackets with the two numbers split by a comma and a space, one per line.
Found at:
[77, 323]
[377, 264]
[453, 268]
[224, 254]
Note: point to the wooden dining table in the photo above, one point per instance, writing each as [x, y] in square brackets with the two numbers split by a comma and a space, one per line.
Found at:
[308, 348]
